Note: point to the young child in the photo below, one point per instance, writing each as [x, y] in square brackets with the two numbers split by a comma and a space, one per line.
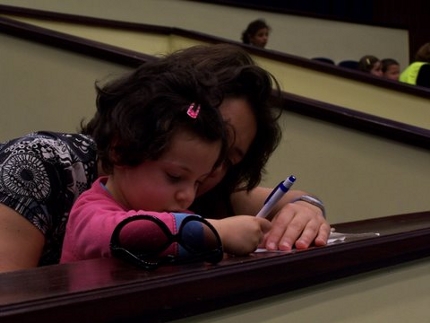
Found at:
[390, 69]
[159, 134]
[370, 64]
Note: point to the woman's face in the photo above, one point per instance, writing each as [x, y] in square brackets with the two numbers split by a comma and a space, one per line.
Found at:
[239, 116]
[260, 38]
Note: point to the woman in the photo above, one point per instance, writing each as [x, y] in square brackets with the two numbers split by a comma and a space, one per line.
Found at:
[42, 174]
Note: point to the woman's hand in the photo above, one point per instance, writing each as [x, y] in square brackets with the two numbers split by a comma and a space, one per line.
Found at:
[241, 234]
[297, 224]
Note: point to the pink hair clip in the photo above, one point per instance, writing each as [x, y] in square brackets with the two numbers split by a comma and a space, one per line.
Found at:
[193, 110]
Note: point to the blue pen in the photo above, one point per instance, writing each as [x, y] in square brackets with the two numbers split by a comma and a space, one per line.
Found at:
[275, 196]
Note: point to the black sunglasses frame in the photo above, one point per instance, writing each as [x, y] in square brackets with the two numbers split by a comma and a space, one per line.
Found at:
[211, 256]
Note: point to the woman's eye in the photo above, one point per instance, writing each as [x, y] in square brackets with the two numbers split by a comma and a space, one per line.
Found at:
[174, 178]
[228, 163]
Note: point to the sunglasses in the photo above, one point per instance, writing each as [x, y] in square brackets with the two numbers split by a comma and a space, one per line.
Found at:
[146, 241]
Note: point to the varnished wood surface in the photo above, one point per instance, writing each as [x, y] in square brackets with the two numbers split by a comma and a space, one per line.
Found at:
[109, 290]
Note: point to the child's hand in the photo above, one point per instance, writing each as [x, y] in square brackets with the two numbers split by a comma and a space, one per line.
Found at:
[241, 234]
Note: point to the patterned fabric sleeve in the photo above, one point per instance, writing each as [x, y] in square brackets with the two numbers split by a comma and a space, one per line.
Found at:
[41, 175]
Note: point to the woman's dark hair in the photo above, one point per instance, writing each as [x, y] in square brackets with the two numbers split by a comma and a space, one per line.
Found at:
[138, 114]
[423, 53]
[252, 30]
[367, 62]
[238, 76]
[254, 84]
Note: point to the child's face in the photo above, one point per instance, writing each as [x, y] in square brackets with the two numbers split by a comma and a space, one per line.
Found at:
[260, 38]
[392, 72]
[376, 69]
[169, 183]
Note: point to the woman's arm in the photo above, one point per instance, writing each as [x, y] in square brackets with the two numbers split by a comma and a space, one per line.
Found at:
[21, 243]
[294, 224]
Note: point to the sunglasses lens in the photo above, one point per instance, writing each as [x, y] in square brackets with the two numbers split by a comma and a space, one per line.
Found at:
[201, 240]
[143, 237]
[198, 237]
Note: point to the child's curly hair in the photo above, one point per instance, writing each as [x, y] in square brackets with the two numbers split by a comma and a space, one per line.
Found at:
[138, 114]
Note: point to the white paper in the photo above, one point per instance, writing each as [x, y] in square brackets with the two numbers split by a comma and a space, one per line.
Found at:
[335, 237]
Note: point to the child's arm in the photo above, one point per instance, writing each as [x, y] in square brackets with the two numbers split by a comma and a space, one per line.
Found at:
[241, 234]
[95, 216]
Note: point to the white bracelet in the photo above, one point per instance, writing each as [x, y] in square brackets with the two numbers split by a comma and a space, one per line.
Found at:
[312, 200]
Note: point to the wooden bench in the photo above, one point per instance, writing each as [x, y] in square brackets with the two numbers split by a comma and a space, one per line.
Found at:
[109, 290]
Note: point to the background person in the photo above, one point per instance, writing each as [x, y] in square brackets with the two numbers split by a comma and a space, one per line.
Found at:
[256, 34]
[390, 69]
[418, 72]
[370, 64]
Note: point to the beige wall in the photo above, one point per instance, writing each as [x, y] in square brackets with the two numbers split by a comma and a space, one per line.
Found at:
[357, 175]
[46, 89]
[301, 36]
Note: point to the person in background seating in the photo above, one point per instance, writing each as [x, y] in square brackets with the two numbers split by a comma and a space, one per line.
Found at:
[370, 64]
[256, 34]
[418, 72]
[390, 69]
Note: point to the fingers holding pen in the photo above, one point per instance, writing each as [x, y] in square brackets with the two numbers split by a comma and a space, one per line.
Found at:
[297, 225]
[241, 234]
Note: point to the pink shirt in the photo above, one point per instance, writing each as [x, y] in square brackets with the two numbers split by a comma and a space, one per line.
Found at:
[92, 220]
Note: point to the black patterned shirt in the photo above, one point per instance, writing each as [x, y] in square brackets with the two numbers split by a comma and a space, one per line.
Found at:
[41, 176]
